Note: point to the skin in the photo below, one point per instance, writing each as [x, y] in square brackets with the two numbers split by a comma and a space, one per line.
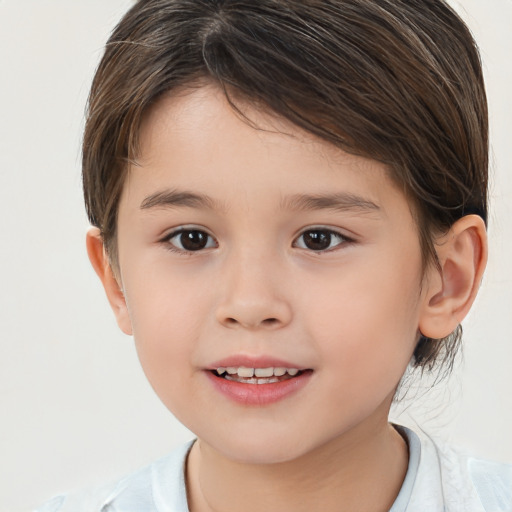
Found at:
[351, 313]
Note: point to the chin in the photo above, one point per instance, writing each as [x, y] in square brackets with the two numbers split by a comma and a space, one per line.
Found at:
[258, 448]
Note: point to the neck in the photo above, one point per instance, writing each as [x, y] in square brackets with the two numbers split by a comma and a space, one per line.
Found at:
[361, 470]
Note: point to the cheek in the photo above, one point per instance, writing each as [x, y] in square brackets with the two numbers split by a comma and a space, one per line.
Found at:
[366, 321]
[167, 315]
[164, 300]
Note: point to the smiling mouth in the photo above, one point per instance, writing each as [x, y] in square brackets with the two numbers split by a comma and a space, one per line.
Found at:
[246, 375]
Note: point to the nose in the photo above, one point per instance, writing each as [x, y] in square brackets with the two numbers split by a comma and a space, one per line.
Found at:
[253, 295]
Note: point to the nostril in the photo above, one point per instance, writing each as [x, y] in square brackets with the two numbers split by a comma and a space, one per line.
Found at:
[269, 322]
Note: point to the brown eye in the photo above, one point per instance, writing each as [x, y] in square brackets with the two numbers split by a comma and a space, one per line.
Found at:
[191, 240]
[319, 239]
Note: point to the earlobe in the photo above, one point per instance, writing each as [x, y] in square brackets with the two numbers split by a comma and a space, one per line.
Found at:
[451, 291]
[101, 264]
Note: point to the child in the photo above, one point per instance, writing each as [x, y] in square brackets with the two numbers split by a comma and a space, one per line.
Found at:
[289, 201]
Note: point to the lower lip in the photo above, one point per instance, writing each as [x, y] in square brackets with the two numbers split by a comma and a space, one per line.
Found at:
[259, 394]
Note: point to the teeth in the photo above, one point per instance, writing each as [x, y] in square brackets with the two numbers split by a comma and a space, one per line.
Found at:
[245, 372]
[254, 380]
[267, 381]
[262, 374]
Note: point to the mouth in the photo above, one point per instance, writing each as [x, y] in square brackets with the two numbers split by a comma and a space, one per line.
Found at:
[257, 383]
[245, 375]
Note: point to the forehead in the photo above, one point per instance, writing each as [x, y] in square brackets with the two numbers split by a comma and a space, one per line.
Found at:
[205, 116]
[194, 138]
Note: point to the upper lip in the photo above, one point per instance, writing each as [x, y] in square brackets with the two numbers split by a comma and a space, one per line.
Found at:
[247, 361]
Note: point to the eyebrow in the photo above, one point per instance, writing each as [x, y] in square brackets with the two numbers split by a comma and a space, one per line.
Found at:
[170, 198]
[340, 202]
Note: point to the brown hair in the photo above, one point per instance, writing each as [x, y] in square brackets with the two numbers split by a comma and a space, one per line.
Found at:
[399, 81]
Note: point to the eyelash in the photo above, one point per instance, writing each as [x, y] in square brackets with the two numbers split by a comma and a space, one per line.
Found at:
[343, 240]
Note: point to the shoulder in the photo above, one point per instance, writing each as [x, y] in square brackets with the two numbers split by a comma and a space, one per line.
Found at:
[493, 482]
[157, 487]
[460, 481]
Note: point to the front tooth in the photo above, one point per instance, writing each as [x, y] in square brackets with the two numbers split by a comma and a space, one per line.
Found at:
[279, 372]
[292, 371]
[245, 372]
[264, 372]
[231, 370]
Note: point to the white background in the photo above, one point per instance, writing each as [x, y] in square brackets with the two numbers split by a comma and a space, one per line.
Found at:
[75, 408]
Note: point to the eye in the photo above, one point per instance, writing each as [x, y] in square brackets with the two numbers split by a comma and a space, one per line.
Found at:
[189, 240]
[320, 239]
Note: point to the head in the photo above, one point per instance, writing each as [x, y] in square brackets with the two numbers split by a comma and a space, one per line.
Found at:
[397, 84]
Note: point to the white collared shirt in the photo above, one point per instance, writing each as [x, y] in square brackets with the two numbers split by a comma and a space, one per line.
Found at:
[439, 479]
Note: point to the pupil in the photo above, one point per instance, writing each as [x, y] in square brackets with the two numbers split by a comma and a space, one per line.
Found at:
[193, 240]
[317, 240]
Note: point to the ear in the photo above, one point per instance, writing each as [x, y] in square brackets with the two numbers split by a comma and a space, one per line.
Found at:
[462, 255]
[101, 264]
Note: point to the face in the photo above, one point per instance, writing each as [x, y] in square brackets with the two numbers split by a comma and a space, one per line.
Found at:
[266, 249]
